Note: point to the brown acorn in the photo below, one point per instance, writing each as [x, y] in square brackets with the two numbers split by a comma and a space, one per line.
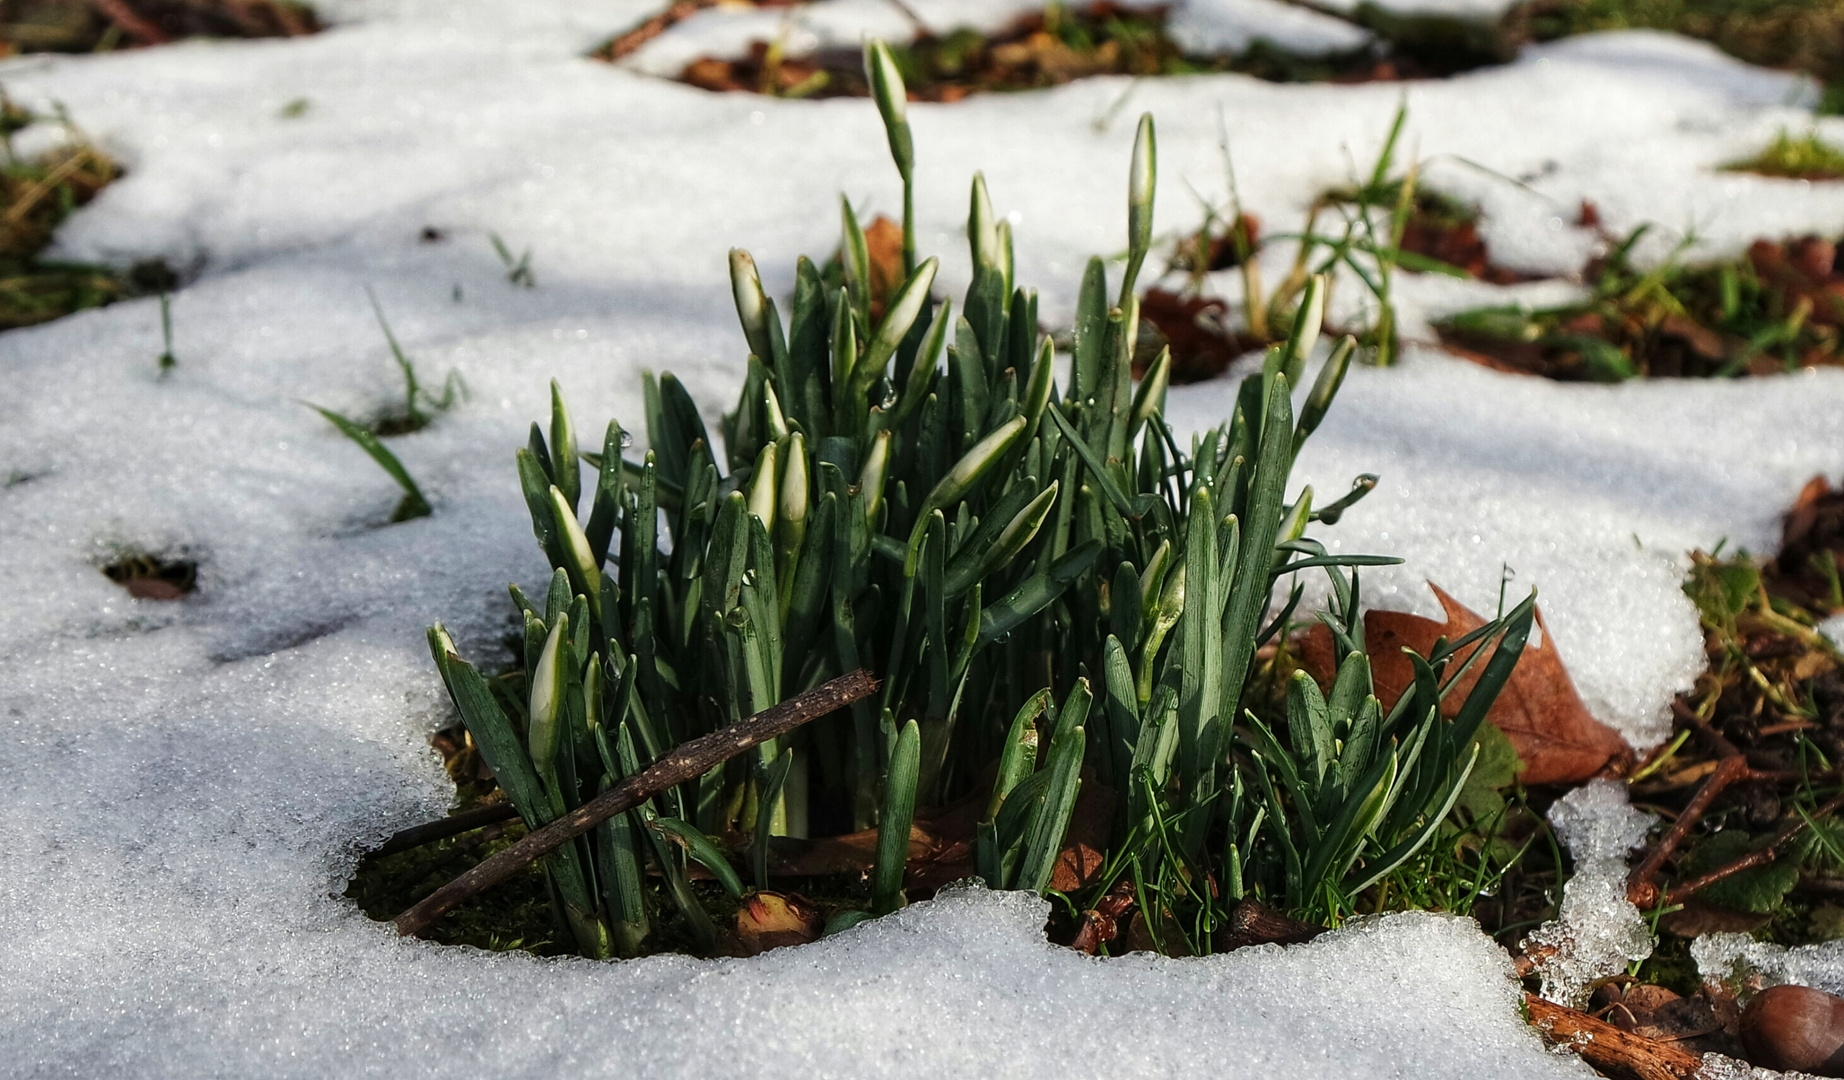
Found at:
[1795, 1028]
[769, 920]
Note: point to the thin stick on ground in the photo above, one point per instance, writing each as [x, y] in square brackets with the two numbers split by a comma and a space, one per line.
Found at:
[1607, 1048]
[1752, 859]
[453, 825]
[626, 44]
[686, 762]
[1642, 886]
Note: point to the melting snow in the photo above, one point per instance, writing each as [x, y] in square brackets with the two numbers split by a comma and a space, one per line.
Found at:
[186, 787]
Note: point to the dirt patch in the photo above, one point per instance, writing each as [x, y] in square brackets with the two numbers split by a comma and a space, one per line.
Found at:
[81, 26]
[36, 195]
[1778, 308]
[1068, 42]
[1794, 35]
[151, 577]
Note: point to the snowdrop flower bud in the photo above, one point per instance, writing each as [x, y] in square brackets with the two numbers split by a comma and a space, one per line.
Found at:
[1141, 179]
[547, 693]
[576, 548]
[794, 485]
[1305, 332]
[1150, 397]
[974, 464]
[564, 466]
[751, 303]
[892, 102]
[982, 233]
[871, 476]
[777, 420]
[762, 488]
[899, 318]
[1325, 388]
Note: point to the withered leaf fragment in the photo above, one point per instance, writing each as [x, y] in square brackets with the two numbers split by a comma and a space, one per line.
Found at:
[1557, 739]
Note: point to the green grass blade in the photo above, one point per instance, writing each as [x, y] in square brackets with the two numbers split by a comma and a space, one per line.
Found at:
[414, 505]
[702, 851]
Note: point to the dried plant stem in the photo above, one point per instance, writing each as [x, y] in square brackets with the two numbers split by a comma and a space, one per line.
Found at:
[66, 168]
[442, 828]
[1607, 1048]
[686, 762]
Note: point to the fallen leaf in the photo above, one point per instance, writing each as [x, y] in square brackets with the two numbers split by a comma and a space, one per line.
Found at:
[1654, 1011]
[1557, 739]
[1202, 347]
[1085, 844]
[883, 242]
[152, 589]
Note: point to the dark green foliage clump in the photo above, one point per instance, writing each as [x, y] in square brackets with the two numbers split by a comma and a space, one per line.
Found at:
[1062, 602]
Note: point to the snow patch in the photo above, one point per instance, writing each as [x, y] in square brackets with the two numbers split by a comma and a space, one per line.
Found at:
[186, 786]
[1597, 931]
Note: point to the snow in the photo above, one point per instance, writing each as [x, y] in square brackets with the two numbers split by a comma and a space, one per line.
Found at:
[1206, 27]
[1597, 931]
[1199, 27]
[186, 787]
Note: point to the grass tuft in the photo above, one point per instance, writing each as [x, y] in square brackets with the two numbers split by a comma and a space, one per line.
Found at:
[1806, 157]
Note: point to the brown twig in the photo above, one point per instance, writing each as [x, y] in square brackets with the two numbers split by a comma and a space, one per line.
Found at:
[1642, 885]
[625, 44]
[441, 829]
[1607, 1048]
[131, 22]
[685, 762]
[1760, 857]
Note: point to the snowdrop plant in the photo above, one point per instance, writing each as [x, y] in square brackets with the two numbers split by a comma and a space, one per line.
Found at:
[1054, 592]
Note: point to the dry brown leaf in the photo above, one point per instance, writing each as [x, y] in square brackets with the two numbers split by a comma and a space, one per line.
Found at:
[1557, 739]
[883, 243]
[1085, 845]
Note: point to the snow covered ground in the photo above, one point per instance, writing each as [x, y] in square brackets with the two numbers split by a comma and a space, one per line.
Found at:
[185, 788]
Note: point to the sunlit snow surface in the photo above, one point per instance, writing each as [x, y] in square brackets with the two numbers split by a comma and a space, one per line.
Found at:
[184, 788]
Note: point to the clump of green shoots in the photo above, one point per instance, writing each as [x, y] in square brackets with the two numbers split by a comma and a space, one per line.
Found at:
[418, 409]
[1806, 157]
[1364, 241]
[1057, 595]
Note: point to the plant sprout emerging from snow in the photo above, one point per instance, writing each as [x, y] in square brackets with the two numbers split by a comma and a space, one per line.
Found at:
[1806, 157]
[518, 270]
[414, 416]
[166, 361]
[1060, 600]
